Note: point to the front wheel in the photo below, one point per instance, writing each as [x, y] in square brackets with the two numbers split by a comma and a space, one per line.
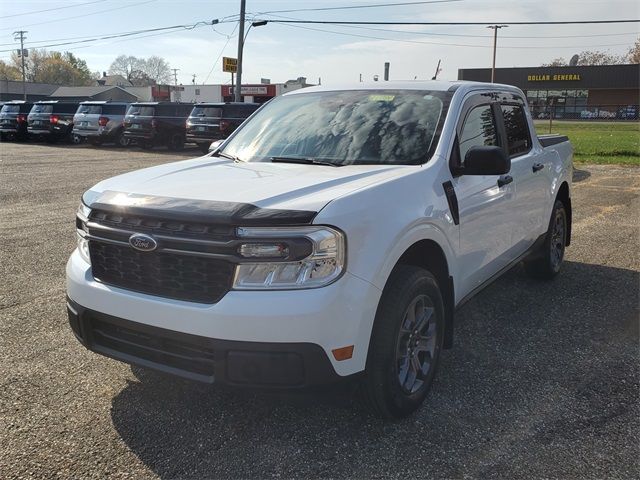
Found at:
[122, 141]
[546, 264]
[406, 342]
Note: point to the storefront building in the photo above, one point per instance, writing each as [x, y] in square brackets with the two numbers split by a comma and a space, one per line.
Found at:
[581, 92]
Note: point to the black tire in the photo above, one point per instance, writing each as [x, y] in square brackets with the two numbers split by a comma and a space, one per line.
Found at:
[386, 387]
[547, 262]
[176, 143]
[122, 141]
[204, 147]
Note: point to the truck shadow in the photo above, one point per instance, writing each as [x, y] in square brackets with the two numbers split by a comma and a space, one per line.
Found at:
[534, 364]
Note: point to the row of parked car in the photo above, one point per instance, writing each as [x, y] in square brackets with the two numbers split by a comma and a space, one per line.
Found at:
[146, 124]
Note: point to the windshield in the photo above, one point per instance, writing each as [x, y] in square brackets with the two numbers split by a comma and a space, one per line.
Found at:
[343, 127]
[140, 110]
[10, 108]
[90, 109]
[42, 109]
[206, 112]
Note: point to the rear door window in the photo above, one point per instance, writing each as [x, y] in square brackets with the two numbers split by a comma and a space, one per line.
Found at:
[141, 110]
[479, 130]
[515, 124]
[42, 109]
[90, 109]
[207, 112]
[10, 108]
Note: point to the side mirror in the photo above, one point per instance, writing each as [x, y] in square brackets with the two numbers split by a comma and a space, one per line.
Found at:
[486, 160]
[215, 145]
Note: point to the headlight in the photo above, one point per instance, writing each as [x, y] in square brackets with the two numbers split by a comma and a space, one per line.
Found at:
[82, 216]
[323, 262]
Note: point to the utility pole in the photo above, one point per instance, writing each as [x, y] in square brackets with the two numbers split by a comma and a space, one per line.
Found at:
[20, 34]
[176, 95]
[237, 91]
[495, 44]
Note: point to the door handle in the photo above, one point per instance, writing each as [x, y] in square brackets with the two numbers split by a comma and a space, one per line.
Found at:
[505, 180]
[537, 167]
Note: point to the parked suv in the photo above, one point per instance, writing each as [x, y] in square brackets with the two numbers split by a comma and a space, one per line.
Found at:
[52, 120]
[101, 122]
[13, 119]
[157, 123]
[215, 121]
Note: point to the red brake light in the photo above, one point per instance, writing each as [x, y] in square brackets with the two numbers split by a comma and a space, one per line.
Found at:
[21, 118]
[102, 121]
[54, 119]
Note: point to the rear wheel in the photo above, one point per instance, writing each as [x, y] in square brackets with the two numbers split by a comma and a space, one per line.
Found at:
[122, 141]
[547, 263]
[406, 342]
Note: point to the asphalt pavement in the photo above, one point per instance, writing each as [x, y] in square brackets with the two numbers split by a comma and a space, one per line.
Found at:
[543, 380]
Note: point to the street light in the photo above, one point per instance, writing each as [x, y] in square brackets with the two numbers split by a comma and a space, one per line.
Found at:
[495, 42]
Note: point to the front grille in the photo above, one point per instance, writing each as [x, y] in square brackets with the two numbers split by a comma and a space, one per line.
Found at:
[184, 352]
[170, 275]
[142, 224]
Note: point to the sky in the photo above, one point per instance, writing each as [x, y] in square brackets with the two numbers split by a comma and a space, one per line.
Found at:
[334, 54]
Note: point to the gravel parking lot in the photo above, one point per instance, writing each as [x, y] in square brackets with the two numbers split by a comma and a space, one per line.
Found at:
[543, 380]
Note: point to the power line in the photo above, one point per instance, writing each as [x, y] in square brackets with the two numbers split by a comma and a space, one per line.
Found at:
[344, 22]
[125, 34]
[75, 5]
[221, 52]
[371, 37]
[351, 7]
[462, 35]
[137, 4]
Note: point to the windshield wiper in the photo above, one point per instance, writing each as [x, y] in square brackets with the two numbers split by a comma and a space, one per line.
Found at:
[305, 161]
[219, 153]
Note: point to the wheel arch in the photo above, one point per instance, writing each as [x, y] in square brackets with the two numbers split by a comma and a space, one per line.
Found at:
[428, 254]
[565, 197]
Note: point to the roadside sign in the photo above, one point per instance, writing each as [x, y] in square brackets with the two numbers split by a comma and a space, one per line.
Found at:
[229, 64]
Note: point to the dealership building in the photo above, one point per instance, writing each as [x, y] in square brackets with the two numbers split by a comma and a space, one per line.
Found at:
[573, 92]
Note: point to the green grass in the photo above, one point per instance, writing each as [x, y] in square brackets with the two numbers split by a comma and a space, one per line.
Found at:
[599, 142]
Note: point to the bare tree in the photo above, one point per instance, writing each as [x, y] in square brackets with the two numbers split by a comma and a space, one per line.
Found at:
[633, 56]
[125, 65]
[158, 69]
[590, 57]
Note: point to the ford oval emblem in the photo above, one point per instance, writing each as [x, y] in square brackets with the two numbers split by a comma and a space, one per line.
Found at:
[142, 242]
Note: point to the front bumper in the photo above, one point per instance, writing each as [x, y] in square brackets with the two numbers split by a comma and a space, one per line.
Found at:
[249, 364]
[279, 328]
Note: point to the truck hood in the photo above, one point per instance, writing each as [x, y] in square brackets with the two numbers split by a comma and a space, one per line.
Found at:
[279, 186]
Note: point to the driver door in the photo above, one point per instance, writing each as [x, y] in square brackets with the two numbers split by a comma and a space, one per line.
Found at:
[486, 208]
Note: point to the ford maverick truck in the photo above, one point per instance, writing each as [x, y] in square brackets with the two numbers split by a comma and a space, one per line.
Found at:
[330, 238]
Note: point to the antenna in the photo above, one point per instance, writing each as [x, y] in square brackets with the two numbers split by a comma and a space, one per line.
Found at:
[574, 60]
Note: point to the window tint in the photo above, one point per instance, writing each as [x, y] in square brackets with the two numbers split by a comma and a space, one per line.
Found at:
[42, 109]
[10, 108]
[515, 123]
[141, 110]
[90, 109]
[479, 129]
[206, 112]
[114, 109]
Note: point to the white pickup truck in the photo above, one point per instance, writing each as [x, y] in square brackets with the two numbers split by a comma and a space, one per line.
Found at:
[331, 237]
